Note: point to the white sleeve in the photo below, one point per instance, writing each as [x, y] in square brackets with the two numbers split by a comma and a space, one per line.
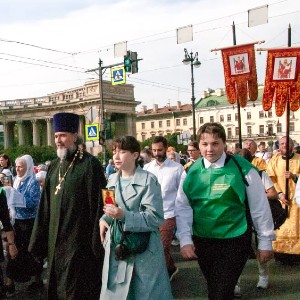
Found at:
[184, 215]
[260, 210]
[267, 181]
[297, 193]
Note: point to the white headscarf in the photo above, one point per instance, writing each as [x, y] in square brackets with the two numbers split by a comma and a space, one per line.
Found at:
[40, 175]
[28, 161]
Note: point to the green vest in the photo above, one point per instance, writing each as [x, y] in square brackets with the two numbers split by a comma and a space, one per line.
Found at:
[217, 197]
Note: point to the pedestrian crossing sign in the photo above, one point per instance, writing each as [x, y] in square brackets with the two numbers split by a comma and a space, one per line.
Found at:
[92, 132]
[118, 75]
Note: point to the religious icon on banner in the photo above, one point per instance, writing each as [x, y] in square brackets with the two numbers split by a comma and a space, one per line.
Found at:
[282, 80]
[285, 68]
[240, 73]
[239, 64]
[108, 197]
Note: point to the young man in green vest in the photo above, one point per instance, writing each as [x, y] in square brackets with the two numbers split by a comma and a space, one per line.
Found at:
[212, 221]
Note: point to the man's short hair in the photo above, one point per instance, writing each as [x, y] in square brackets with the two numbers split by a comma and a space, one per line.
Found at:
[194, 144]
[244, 153]
[215, 129]
[160, 139]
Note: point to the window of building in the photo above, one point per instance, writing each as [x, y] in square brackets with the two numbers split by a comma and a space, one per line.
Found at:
[143, 137]
[177, 122]
[270, 129]
[168, 123]
[153, 134]
[249, 131]
[261, 114]
[143, 125]
[279, 128]
[229, 133]
[160, 124]
[248, 115]
[269, 114]
[229, 117]
[292, 126]
[201, 120]
[152, 124]
[237, 131]
[184, 122]
[221, 118]
[261, 129]
[211, 119]
[236, 116]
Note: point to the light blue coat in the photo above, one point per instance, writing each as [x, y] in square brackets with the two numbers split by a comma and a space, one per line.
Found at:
[143, 276]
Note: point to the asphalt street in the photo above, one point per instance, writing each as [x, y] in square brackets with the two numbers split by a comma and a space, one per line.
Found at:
[189, 284]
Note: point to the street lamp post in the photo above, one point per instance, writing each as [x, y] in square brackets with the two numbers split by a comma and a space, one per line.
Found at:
[190, 58]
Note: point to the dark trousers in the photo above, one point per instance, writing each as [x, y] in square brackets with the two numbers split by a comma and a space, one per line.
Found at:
[24, 266]
[222, 262]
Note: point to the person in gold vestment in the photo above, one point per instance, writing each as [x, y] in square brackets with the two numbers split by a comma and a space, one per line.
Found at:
[287, 244]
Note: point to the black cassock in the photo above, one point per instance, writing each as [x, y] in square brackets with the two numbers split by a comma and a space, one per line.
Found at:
[66, 229]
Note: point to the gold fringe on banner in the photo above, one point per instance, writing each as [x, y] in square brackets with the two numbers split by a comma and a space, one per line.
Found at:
[240, 74]
[282, 80]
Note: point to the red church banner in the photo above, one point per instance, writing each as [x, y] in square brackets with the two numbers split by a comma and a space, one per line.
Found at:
[282, 79]
[240, 73]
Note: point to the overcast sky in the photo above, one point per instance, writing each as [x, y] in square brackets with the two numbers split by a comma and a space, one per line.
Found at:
[69, 36]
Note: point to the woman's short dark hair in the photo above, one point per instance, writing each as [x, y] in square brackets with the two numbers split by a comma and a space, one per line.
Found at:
[215, 129]
[128, 143]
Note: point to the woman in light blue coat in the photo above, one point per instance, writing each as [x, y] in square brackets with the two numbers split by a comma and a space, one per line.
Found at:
[139, 206]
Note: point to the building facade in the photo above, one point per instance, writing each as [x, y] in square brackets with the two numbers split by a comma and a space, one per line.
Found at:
[29, 121]
[256, 124]
[163, 120]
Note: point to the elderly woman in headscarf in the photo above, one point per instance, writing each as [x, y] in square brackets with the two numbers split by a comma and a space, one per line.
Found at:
[21, 269]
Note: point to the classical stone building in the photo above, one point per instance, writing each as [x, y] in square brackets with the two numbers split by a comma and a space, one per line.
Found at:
[29, 121]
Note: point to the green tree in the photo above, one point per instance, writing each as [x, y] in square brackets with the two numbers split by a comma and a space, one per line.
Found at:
[171, 139]
[39, 154]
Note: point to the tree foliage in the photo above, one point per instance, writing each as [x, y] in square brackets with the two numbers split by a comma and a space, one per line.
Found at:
[172, 141]
[40, 154]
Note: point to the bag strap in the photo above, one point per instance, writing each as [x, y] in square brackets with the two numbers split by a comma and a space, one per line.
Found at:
[228, 157]
[248, 213]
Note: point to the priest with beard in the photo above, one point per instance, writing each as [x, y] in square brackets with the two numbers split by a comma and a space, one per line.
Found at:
[66, 229]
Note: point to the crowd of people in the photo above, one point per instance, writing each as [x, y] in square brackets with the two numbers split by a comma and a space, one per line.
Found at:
[214, 202]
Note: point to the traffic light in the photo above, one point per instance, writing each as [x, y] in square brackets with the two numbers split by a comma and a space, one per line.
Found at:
[127, 62]
[134, 62]
[131, 62]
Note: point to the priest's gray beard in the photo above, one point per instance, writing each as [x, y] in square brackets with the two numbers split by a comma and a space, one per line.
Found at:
[63, 152]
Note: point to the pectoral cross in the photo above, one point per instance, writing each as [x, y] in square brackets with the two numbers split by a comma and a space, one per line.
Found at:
[58, 187]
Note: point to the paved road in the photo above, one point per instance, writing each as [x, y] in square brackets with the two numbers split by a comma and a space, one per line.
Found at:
[189, 284]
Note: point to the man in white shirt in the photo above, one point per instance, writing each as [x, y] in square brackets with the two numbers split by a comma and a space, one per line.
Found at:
[262, 153]
[168, 174]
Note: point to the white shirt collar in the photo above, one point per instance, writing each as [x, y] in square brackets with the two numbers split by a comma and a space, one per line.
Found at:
[217, 164]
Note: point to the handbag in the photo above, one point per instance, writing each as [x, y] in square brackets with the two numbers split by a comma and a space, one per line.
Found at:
[279, 214]
[127, 243]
